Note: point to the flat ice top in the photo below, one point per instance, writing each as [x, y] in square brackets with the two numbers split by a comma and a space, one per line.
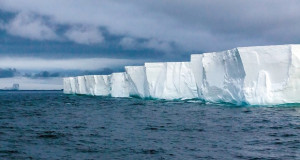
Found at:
[252, 75]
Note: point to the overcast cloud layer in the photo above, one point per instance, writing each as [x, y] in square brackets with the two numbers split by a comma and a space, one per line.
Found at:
[64, 64]
[97, 34]
[204, 25]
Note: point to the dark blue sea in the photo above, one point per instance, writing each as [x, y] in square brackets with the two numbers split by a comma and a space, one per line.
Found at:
[51, 125]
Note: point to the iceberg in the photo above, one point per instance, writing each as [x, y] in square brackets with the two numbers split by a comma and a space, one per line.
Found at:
[171, 80]
[219, 76]
[261, 75]
[137, 81]
[119, 85]
[272, 74]
[73, 82]
[102, 85]
[81, 83]
[253, 75]
[67, 85]
[70, 85]
[90, 84]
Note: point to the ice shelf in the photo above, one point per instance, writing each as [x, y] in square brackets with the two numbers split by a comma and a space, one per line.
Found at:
[259, 75]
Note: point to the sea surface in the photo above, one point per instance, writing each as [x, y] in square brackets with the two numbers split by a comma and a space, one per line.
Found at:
[51, 125]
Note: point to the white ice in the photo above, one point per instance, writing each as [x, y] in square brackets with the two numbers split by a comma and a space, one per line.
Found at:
[119, 85]
[102, 85]
[137, 81]
[246, 75]
[171, 80]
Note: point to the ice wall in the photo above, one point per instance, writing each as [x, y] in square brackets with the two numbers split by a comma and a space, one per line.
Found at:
[155, 73]
[252, 75]
[90, 84]
[102, 85]
[67, 85]
[119, 85]
[171, 80]
[219, 76]
[137, 81]
[272, 74]
[245, 75]
[81, 82]
[197, 69]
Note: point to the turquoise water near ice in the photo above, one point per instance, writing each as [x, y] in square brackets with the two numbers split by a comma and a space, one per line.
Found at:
[51, 125]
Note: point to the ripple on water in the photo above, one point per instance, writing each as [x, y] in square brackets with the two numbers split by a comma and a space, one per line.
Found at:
[51, 125]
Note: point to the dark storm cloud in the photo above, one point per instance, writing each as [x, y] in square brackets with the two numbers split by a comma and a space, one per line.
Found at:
[76, 37]
[43, 74]
[12, 72]
[6, 73]
[104, 71]
[237, 23]
[134, 28]
[49, 74]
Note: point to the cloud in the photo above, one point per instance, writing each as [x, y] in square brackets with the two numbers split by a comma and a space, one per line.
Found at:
[2, 25]
[43, 74]
[10, 72]
[28, 25]
[159, 45]
[128, 43]
[49, 74]
[133, 28]
[206, 25]
[104, 71]
[131, 43]
[85, 35]
[38, 64]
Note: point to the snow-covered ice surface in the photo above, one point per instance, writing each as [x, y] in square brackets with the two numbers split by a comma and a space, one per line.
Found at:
[260, 75]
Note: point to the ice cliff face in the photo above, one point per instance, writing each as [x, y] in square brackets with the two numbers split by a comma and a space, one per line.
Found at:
[137, 81]
[102, 85]
[272, 74]
[247, 75]
[171, 80]
[219, 76]
[119, 85]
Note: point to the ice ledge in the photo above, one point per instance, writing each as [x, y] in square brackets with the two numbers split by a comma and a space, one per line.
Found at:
[260, 75]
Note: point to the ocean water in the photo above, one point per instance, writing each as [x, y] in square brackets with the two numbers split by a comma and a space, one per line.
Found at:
[51, 125]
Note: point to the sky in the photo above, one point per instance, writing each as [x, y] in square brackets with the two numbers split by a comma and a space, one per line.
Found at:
[43, 41]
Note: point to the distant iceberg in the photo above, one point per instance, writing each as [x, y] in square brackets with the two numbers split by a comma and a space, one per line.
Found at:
[260, 75]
